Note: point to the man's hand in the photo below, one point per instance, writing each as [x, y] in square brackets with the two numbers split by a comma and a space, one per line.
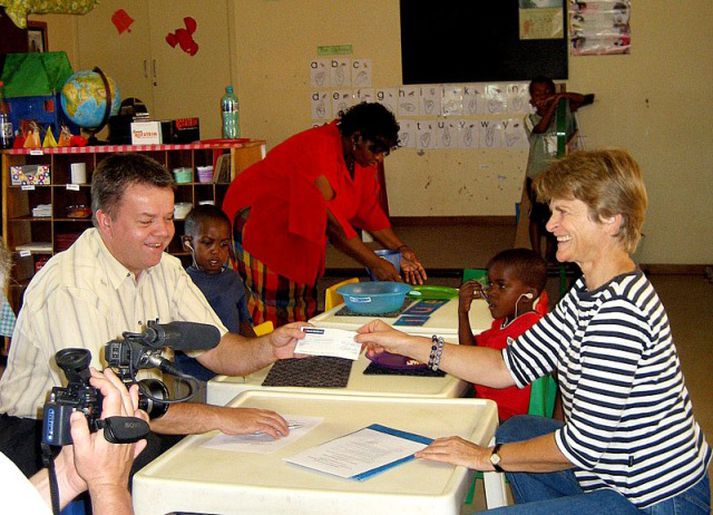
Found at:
[97, 460]
[92, 463]
[284, 338]
[237, 421]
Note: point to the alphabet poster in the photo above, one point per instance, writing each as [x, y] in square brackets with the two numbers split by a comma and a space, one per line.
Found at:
[430, 116]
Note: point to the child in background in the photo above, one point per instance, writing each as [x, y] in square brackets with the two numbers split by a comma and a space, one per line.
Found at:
[207, 237]
[7, 315]
[516, 277]
[541, 128]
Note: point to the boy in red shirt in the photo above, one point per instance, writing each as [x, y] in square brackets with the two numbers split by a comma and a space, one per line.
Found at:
[516, 277]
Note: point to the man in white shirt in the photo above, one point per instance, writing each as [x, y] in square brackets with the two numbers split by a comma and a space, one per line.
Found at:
[116, 277]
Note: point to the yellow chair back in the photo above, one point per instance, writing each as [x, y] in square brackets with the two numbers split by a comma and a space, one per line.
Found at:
[265, 328]
[332, 298]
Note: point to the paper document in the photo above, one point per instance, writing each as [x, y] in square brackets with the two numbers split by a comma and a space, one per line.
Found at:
[337, 343]
[261, 443]
[362, 454]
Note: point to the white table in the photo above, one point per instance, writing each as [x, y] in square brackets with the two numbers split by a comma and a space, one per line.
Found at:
[222, 389]
[443, 321]
[196, 479]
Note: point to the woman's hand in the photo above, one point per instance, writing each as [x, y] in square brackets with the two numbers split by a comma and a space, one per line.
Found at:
[384, 271]
[379, 337]
[457, 451]
[412, 269]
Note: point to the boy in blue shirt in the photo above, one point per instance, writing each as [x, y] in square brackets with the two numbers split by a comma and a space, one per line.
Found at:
[207, 237]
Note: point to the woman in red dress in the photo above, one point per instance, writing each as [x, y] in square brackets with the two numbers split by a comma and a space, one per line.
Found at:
[317, 185]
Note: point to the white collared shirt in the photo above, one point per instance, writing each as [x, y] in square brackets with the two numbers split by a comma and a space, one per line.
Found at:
[84, 298]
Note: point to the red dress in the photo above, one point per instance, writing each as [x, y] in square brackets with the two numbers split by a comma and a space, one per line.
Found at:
[286, 228]
[511, 400]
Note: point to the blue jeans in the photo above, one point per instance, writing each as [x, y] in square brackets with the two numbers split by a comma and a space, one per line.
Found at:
[559, 492]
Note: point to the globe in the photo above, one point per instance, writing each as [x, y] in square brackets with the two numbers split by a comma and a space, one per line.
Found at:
[84, 99]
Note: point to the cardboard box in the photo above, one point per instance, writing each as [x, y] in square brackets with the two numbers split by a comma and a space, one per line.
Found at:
[38, 175]
[146, 133]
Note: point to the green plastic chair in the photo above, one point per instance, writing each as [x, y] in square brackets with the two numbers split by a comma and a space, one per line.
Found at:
[479, 274]
[543, 392]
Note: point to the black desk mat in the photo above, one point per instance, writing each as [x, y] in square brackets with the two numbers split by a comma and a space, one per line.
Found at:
[374, 369]
[311, 372]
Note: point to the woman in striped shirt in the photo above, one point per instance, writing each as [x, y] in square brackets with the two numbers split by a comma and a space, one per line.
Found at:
[629, 442]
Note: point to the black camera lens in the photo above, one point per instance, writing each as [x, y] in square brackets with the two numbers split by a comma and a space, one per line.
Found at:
[75, 359]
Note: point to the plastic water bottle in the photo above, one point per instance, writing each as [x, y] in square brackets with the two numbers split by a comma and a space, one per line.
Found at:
[231, 117]
[6, 133]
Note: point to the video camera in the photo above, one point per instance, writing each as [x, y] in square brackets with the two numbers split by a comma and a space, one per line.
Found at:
[126, 357]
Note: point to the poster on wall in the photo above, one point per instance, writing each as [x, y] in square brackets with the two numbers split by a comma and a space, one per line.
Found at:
[600, 28]
[431, 116]
[541, 19]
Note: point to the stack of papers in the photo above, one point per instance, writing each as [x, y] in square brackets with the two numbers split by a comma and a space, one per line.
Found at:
[42, 210]
[362, 454]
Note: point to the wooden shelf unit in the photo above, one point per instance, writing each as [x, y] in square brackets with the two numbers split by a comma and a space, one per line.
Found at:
[57, 231]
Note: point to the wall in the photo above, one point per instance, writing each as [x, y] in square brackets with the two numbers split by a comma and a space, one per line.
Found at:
[656, 102]
[60, 32]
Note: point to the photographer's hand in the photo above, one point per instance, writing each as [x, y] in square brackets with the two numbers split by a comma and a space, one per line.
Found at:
[95, 464]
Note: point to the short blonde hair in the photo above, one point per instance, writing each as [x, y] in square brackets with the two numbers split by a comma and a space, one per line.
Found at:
[608, 181]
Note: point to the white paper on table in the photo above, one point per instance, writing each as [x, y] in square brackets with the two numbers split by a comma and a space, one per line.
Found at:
[261, 443]
[361, 454]
[323, 341]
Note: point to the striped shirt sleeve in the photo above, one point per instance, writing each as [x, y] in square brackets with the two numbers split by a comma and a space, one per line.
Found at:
[629, 420]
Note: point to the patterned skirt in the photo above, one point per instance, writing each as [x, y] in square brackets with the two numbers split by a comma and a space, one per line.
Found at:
[270, 295]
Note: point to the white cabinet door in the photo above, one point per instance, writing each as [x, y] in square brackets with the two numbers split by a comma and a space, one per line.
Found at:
[173, 81]
[190, 80]
[123, 56]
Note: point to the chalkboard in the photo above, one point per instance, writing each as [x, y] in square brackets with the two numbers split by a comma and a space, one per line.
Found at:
[455, 41]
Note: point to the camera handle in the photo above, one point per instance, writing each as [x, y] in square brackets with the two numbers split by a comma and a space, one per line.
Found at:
[124, 429]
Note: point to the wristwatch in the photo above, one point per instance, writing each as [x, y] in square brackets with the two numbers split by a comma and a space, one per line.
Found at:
[495, 458]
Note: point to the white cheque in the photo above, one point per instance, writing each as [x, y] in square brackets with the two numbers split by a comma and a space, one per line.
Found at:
[338, 343]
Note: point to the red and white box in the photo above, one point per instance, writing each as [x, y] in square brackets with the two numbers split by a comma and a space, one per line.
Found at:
[146, 133]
